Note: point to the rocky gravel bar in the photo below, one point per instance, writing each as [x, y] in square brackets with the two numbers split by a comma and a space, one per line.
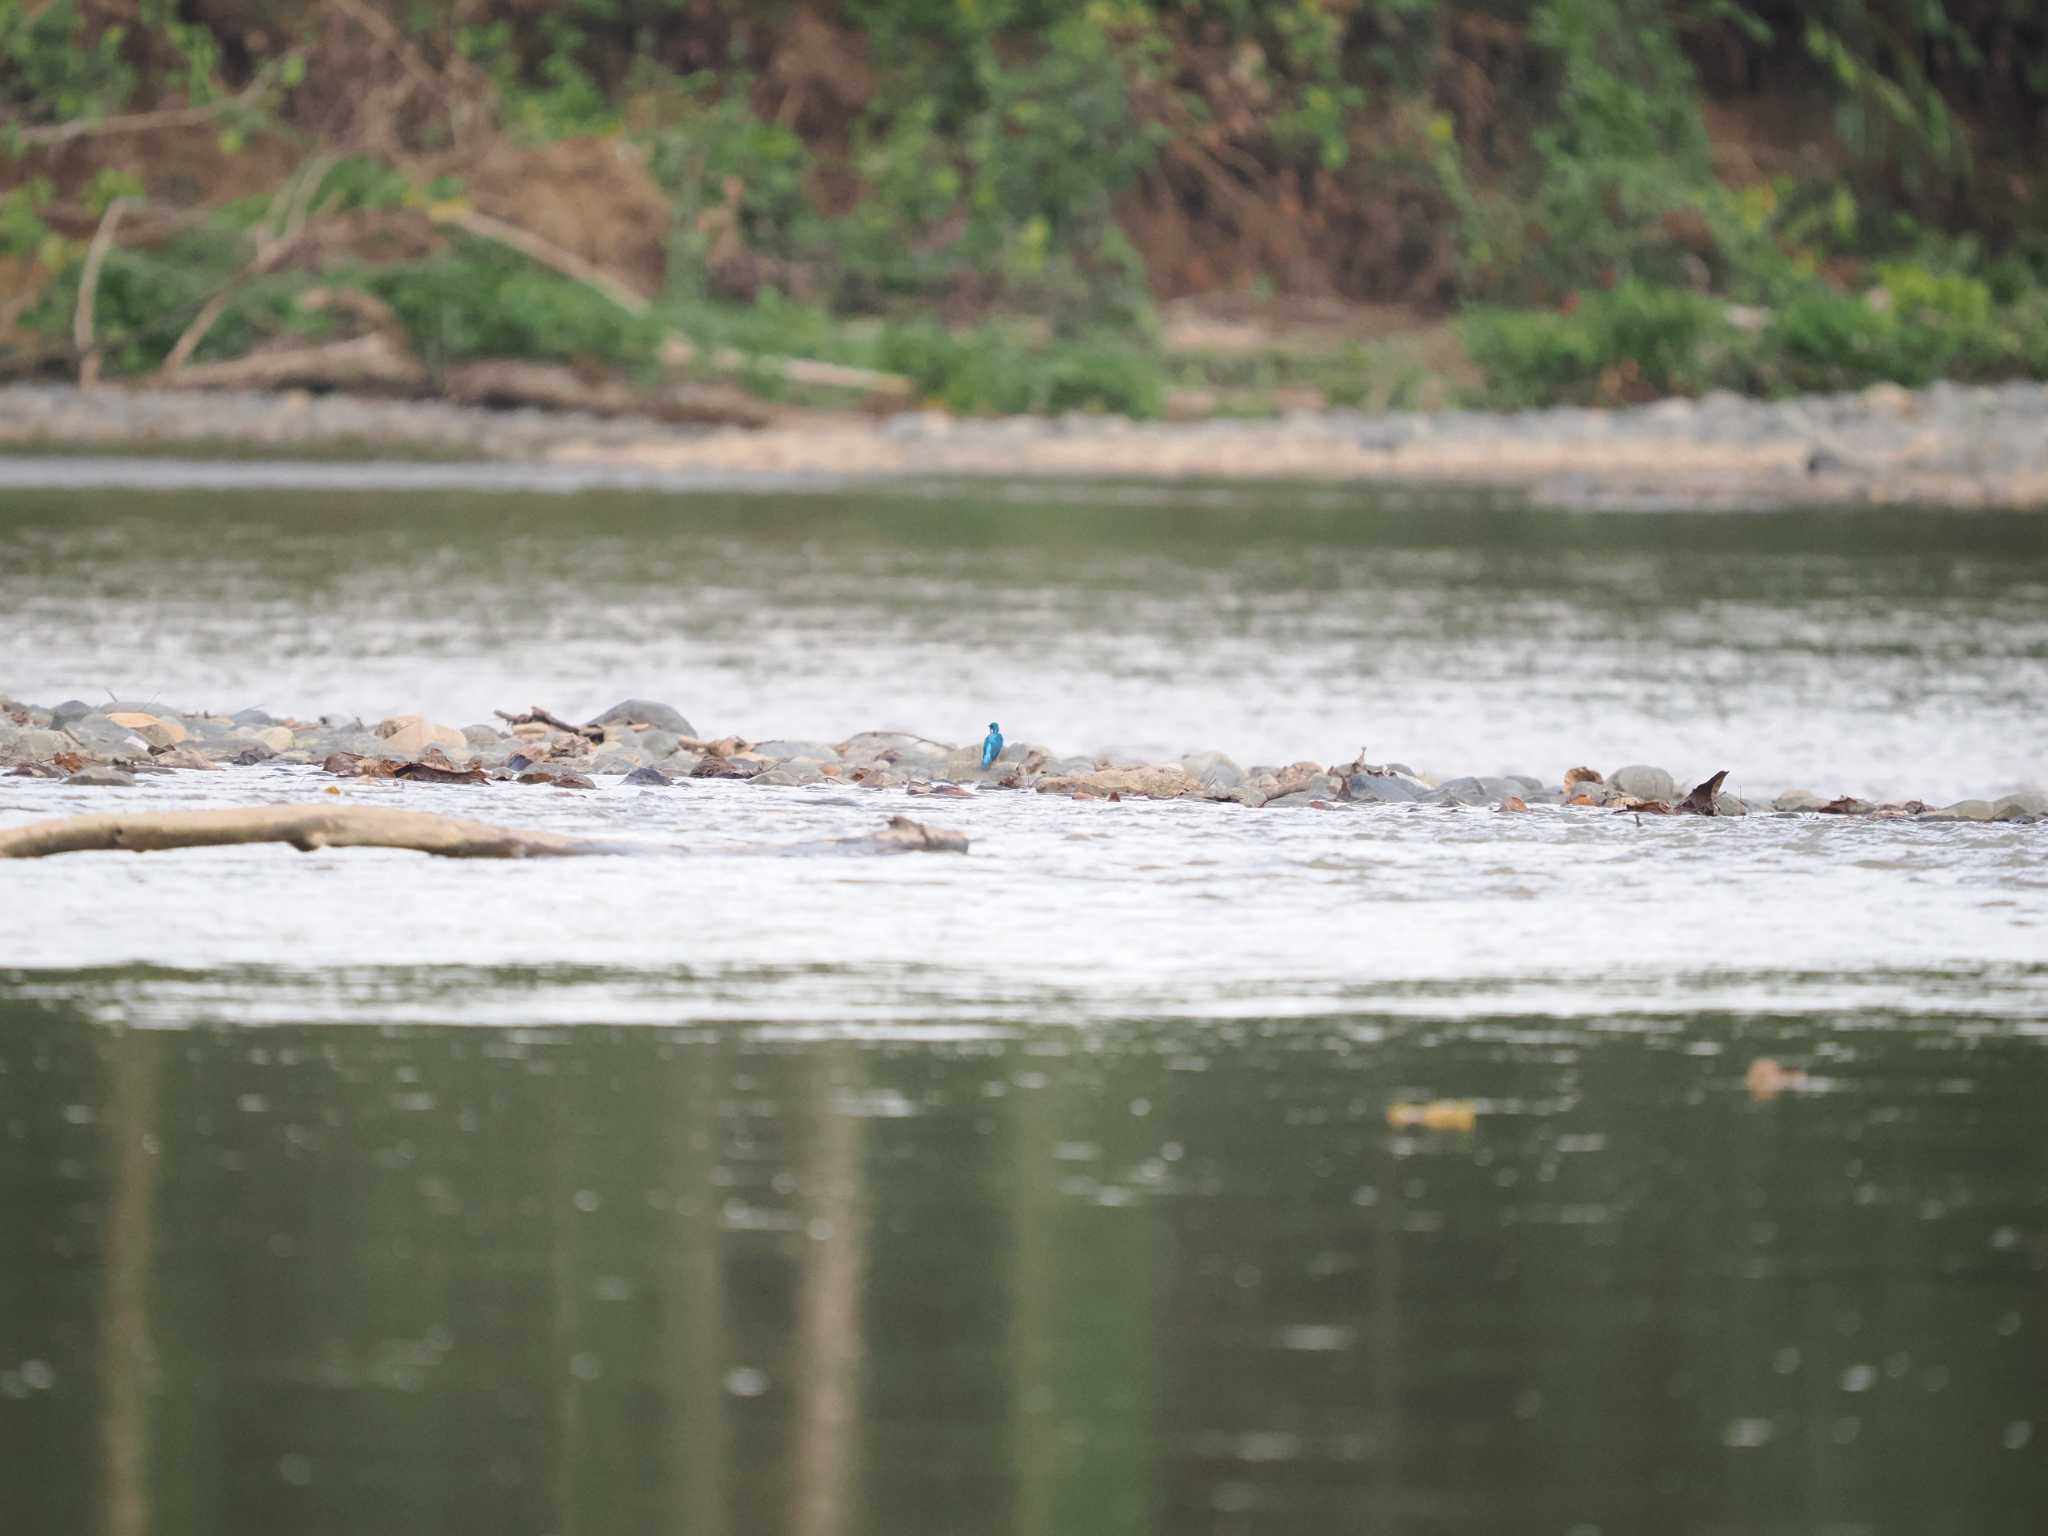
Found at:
[647, 744]
[1947, 445]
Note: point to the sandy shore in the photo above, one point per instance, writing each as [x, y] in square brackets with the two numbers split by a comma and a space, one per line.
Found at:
[1947, 445]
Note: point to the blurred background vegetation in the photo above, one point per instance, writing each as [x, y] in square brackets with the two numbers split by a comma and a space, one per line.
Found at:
[1148, 206]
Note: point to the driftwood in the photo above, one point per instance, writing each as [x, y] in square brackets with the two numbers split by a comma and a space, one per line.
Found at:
[1701, 801]
[535, 715]
[557, 387]
[305, 827]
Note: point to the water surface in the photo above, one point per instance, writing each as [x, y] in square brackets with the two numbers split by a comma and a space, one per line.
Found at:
[1053, 1188]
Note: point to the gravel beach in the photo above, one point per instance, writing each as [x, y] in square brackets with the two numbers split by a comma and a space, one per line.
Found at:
[1947, 445]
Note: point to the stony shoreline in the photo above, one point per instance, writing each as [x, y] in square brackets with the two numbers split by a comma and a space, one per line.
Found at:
[1948, 445]
[644, 743]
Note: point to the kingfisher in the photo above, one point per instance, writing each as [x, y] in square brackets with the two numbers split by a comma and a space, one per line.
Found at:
[991, 746]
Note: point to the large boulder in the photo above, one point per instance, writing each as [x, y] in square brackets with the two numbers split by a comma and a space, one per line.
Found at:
[662, 717]
[1639, 781]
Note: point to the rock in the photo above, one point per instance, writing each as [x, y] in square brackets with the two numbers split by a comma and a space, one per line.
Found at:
[1576, 776]
[1299, 776]
[187, 757]
[253, 717]
[1965, 810]
[613, 762]
[901, 835]
[1383, 788]
[1475, 791]
[2012, 807]
[1151, 783]
[782, 751]
[647, 712]
[1798, 800]
[800, 771]
[483, 736]
[154, 729]
[413, 735]
[573, 781]
[1300, 799]
[102, 778]
[1513, 803]
[70, 710]
[653, 745]
[649, 778]
[871, 746]
[41, 746]
[104, 735]
[276, 738]
[712, 766]
[1640, 782]
[1211, 770]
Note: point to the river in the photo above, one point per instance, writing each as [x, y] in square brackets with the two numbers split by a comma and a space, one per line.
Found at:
[1080, 1184]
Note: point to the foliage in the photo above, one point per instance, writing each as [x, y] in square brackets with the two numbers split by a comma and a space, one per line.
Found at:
[989, 370]
[877, 179]
[1632, 343]
[53, 69]
[483, 301]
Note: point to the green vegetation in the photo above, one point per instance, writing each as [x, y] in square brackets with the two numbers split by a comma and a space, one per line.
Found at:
[1607, 200]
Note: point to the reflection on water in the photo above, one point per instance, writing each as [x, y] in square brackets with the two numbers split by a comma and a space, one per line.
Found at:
[1882, 652]
[1161, 1277]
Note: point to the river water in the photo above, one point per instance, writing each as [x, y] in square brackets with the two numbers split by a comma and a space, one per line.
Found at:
[1055, 1188]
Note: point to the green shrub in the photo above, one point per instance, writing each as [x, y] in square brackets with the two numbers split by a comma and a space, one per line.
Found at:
[479, 301]
[989, 371]
[1633, 342]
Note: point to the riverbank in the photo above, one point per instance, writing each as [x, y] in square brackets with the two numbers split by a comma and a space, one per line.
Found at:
[646, 744]
[1947, 445]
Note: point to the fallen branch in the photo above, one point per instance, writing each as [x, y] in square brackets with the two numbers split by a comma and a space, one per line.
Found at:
[146, 122]
[374, 361]
[305, 827]
[677, 352]
[293, 205]
[546, 252]
[535, 715]
[88, 288]
[270, 254]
